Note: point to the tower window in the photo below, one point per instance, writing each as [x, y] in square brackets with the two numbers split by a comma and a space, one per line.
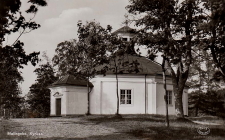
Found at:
[124, 39]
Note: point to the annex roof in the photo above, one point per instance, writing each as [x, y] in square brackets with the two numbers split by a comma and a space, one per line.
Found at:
[71, 80]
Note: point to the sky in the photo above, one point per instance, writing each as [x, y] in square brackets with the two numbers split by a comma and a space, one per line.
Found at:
[58, 22]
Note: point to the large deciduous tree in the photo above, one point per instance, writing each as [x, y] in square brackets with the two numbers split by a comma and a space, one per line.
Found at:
[200, 81]
[212, 31]
[39, 96]
[92, 44]
[80, 57]
[170, 27]
[13, 57]
[67, 59]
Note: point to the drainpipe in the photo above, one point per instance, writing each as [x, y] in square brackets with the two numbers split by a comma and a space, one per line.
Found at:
[146, 96]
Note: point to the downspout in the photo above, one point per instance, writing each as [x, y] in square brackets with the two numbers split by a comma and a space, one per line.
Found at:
[146, 96]
[88, 97]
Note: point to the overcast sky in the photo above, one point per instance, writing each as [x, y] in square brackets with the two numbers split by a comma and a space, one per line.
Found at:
[58, 23]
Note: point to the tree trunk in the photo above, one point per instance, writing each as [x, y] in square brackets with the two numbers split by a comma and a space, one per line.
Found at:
[178, 79]
[178, 93]
[166, 101]
[165, 88]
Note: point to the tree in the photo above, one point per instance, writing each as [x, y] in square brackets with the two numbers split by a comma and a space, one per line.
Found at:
[13, 57]
[201, 80]
[165, 88]
[39, 95]
[80, 57]
[12, 20]
[68, 59]
[92, 46]
[170, 27]
[211, 37]
[174, 28]
[212, 32]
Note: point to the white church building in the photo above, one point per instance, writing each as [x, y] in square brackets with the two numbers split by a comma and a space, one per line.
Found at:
[139, 93]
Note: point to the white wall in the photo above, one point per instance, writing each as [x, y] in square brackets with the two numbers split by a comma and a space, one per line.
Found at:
[73, 100]
[185, 101]
[104, 96]
[151, 104]
[108, 98]
[61, 90]
[95, 97]
[76, 100]
[171, 108]
[161, 105]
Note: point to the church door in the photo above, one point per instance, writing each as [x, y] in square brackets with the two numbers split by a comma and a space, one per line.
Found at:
[58, 107]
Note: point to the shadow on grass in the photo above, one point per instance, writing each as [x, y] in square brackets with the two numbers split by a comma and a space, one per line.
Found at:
[158, 133]
[139, 118]
[175, 133]
[62, 138]
[81, 123]
[99, 137]
[102, 119]
[213, 119]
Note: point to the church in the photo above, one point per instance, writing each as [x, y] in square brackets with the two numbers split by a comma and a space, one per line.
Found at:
[139, 93]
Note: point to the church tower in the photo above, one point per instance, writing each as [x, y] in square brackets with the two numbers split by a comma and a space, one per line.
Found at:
[127, 34]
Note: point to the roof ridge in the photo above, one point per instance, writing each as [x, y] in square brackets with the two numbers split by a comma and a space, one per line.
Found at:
[124, 28]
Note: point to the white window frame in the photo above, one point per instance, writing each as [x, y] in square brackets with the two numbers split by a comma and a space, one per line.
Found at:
[126, 97]
[170, 97]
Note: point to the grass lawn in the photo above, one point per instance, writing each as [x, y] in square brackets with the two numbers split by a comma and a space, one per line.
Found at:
[148, 127]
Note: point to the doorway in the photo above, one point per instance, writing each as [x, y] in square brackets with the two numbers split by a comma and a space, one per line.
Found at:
[58, 107]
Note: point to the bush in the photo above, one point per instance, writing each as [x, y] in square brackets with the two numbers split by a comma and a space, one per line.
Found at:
[209, 103]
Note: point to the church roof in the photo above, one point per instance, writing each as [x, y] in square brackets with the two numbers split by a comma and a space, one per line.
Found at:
[124, 29]
[71, 80]
[130, 63]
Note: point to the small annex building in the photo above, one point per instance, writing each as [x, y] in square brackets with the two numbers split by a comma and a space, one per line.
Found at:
[140, 92]
[68, 96]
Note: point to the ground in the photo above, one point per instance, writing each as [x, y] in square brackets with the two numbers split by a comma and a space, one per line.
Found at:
[148, 127]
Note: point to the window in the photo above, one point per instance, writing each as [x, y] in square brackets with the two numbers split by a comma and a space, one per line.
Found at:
[169, 97]
[125, 96]
[124, 39]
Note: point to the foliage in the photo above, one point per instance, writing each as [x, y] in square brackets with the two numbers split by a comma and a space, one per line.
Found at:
[201, 80]
[212, 33]
[81, 56]
[13, 57]
[93, 45]
[175, 28]
[39, 96]
[12, 20]
[67, 58]
[209, 103]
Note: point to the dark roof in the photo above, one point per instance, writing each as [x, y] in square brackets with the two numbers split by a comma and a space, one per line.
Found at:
[71, 80]
[125, 29]
[144, 66]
